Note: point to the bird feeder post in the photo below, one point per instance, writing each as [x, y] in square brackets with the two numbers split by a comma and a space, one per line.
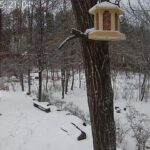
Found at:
[113, 17]
[100, 20]
[96, 21]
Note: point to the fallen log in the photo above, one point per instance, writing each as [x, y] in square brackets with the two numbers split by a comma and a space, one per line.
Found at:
[82, 136]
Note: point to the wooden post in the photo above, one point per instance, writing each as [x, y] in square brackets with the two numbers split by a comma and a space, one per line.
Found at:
[100, 20]
[113, 21]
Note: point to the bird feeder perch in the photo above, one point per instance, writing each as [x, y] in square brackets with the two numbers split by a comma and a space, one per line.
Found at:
[106, 22]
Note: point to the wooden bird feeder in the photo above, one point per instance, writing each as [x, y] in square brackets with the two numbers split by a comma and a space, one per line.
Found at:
[106, 22]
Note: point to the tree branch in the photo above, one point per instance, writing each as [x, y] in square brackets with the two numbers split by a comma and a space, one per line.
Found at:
[133, 10]
[79, 34]
[67, 40]
[75, 34]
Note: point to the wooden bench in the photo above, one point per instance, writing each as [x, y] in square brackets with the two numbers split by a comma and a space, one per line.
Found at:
[45, 106]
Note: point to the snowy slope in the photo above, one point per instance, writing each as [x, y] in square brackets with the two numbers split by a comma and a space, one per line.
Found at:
[24, 127]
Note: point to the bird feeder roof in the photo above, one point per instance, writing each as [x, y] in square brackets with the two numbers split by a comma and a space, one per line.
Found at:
[105, 6]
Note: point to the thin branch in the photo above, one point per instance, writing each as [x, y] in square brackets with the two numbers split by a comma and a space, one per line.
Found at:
[117, 2]
[77, 127]
[64, 130]
[67, 40]
[75, 34]
[79, 34]
[133, 10]
[135, 13]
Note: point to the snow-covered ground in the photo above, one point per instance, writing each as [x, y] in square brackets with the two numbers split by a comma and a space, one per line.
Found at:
[24, 127]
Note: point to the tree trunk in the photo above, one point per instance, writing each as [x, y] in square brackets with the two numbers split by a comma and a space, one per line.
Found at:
[143, 86]
[22, 81]
[57, 73]
[40, 78]
[47, 79]
[29, 81]
[67, 80]
[53, 75]
[41, 48]
[72, 85]
[40, 87]
[79, 77]
[63, 82]
[140, 84]
[99, 89]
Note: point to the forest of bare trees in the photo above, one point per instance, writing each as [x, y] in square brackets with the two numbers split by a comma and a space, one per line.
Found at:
[31, 40]
[31, 35]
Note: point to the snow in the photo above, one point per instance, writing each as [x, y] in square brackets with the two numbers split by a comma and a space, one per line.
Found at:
[104, 5]
[24, 127]
[44, 105]
[89, 30]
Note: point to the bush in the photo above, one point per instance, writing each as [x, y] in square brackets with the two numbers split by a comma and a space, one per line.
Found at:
[121, 133]
[75, 110]
[139, 124]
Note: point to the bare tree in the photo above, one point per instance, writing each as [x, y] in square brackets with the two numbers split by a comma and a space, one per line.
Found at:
[139, 34]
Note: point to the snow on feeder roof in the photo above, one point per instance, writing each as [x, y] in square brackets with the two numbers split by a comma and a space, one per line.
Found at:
[105, 5]
[106, 22]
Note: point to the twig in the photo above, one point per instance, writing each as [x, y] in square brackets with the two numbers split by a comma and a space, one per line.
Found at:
[79, 34]
[64, 130]
[133, 10]
[77, 127]
[75, 34]
[67, 40]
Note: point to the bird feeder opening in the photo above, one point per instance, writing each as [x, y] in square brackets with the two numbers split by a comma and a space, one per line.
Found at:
[97, 21]
[116, 22]
[106, 22]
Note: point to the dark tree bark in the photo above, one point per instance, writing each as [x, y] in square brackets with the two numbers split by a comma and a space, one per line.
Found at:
[99, 89]
[63, 82]
[40, 87]
[29, 81]
[79, 77]
[53, 77]
[22, 80]
[57, 73]
[47, 79]
[72, 85]
[40, 27]
[67, 80]
[30, 38]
